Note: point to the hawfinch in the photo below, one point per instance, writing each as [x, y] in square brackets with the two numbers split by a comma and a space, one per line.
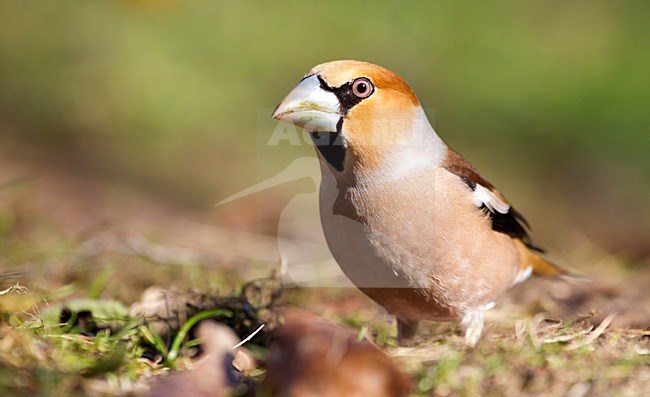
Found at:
[410, 222]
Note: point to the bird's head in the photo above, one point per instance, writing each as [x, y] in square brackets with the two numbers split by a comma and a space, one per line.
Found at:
[354, 108]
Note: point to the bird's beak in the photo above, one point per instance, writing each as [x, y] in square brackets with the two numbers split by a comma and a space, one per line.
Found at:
[309, 106]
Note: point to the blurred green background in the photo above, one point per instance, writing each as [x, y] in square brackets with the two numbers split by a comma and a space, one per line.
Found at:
[549, 99]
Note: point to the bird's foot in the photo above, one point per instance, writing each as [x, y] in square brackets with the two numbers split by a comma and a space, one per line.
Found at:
[406, 329]
[472, 324]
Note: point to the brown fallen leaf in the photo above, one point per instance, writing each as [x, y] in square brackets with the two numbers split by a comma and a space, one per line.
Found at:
[213, 374]
[310, 356]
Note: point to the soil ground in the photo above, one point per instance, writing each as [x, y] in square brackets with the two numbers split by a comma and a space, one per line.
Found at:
[69, 242]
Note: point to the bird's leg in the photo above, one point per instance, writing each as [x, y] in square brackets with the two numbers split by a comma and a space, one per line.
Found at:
[472, 324]
[406, 329]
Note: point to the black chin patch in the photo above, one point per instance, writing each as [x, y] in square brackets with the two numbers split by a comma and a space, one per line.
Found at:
[330, 145]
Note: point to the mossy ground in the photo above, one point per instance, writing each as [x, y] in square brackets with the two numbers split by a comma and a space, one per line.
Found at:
[544, 338]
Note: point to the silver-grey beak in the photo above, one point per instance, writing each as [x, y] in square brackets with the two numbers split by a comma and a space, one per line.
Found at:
[310, 107]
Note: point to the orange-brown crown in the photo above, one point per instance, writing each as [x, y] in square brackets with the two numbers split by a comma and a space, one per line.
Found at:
[337, 73]
[374, 126]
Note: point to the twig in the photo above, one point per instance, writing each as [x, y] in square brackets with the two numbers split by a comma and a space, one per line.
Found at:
[593, 335]
[249, 337]
[16, 287]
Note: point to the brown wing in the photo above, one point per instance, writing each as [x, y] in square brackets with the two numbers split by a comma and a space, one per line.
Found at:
[505, 219]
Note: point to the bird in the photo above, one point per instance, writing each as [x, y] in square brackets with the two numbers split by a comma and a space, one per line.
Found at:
[409, 221]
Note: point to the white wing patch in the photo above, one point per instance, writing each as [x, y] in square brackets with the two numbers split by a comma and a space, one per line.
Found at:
[523, 275]
[484, 196]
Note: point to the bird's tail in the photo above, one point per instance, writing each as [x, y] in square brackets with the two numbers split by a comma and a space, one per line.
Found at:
[545, 268]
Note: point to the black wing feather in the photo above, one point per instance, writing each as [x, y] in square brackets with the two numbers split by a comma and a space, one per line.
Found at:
[513, 224]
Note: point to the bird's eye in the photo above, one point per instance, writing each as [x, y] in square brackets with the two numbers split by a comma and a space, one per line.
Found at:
[362, 88]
